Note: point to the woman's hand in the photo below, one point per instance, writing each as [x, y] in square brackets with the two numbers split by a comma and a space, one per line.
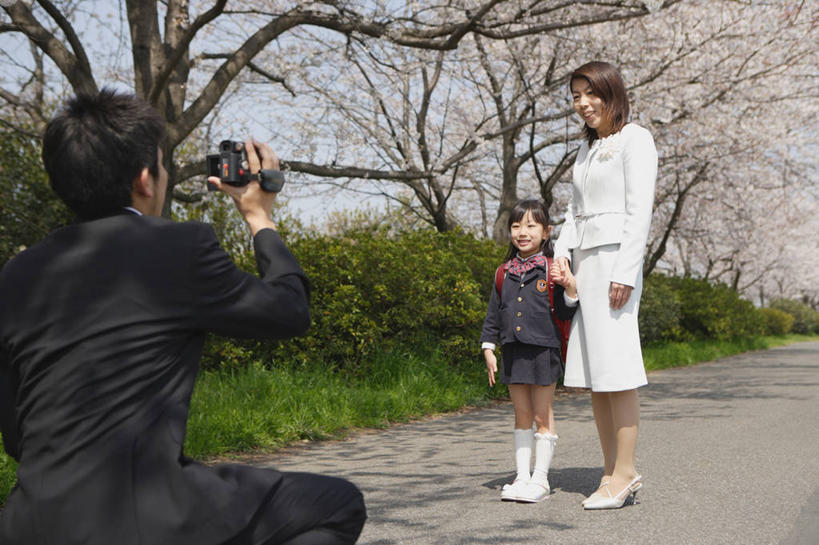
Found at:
[491, 364]
[563, 263]
[618, 295]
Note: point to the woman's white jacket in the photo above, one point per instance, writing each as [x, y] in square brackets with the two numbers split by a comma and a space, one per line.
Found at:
[612, 199]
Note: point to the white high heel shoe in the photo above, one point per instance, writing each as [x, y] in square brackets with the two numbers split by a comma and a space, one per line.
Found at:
[616, 501]
[595, 494]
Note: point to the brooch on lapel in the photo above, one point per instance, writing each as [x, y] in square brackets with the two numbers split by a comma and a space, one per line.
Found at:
[542, 285]
[609, 146]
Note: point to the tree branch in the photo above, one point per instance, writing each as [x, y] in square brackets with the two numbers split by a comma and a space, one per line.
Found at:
[658, 253]
[71, 36]
[78, 74]
[353, 172]
[161, 80]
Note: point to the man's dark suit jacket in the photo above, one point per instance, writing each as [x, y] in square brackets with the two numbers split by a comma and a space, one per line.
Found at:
[101, 331]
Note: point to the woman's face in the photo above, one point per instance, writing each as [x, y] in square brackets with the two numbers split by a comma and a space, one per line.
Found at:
[590, 107]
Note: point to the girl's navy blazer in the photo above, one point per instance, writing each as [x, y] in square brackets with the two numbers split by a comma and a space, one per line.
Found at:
[522, 313]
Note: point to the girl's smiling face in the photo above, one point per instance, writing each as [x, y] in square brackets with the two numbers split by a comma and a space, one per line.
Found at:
[528, 235]
[590, 107]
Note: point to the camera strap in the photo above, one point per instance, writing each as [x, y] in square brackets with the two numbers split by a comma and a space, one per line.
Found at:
[271, 180]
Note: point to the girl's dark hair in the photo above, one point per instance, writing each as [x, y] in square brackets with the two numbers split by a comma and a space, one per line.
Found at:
[605, 82]
[95, 147]
[540, 214]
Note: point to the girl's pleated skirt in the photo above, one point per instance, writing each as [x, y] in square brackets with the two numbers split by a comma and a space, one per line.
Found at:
[530, 364]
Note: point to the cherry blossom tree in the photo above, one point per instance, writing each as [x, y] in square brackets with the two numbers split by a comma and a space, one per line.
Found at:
[453, 111]
[731, 127]
[169, 42]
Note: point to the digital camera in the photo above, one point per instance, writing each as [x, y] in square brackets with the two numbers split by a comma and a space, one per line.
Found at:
[230, 166]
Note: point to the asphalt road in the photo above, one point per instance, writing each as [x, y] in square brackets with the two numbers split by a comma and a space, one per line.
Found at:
[729, 453]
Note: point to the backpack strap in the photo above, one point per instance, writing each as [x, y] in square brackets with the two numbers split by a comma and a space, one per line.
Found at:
[500, 274]
[551, 284]
[563, 326]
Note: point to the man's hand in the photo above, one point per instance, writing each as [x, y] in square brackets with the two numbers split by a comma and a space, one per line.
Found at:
[251, 201]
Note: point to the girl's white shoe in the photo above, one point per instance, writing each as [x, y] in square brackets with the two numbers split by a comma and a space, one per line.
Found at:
[514, 491]
[534, 492]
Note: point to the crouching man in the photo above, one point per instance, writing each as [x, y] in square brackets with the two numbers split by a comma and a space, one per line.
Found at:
[101, 331]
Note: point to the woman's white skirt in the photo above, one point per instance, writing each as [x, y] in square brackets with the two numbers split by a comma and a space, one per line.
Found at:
[604, 344]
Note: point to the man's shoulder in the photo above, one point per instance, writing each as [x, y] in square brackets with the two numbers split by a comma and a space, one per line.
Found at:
[171, 226]
[124, 231]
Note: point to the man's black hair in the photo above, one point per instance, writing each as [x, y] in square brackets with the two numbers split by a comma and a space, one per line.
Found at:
[95, 147]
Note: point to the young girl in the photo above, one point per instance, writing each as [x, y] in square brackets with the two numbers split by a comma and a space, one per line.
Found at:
[519, 314]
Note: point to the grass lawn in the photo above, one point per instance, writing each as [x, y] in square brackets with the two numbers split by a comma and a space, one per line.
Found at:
[674, 354]
[256, 410]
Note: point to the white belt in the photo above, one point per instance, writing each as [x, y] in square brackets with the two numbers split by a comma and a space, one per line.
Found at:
[585, 215]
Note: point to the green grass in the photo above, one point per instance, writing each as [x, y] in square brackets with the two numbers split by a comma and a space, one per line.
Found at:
[257, 409]
[678, 354]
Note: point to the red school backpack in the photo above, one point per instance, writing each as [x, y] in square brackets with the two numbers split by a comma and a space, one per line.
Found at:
[563, 326]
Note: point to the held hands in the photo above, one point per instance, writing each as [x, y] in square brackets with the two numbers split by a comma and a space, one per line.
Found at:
[561, 273]
[491, 365]
[251, 201]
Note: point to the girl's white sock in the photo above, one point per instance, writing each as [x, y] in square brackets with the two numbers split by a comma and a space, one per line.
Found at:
[523, 453]
[544, 451]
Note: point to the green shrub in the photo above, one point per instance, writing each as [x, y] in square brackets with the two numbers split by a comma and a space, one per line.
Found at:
[373, 291]
[775, 321]
[715, 311]
[659, 311]
[8, 475]
[806, 320]
[29, 208]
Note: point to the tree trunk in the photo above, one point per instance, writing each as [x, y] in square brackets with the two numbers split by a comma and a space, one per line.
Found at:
[509, 189]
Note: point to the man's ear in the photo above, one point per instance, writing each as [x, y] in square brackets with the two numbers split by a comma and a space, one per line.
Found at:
[143, 185]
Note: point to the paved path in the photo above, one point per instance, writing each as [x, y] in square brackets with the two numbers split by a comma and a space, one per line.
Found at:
[729, 452]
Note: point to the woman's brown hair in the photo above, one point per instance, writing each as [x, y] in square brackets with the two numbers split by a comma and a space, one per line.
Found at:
[605, 82]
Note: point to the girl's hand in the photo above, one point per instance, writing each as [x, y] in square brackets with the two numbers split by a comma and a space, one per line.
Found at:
[561, 273]
[618, 295]
[491, 365]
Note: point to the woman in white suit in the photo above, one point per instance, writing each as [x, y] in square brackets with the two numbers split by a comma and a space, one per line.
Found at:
[603, 242]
